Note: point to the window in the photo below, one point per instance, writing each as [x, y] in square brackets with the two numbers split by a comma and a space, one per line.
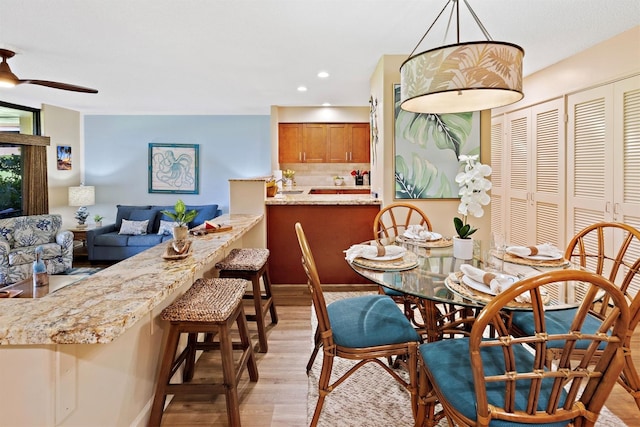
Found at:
[18, 120]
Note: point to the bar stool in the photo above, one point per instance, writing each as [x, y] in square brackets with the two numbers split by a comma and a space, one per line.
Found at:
[252, 264]
[210, 306]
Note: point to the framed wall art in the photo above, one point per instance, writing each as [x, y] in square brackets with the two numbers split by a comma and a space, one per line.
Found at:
[426, 150]
[63, 157]
[173, 168]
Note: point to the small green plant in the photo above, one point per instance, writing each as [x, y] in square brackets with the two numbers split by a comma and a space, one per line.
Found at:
[180, 214]
[463, 230]
[98, 218]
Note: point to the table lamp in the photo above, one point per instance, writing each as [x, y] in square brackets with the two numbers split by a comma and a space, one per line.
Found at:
[82, 196]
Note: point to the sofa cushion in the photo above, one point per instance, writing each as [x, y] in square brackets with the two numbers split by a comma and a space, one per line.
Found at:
[134, 228]
[144, 240]
[36, 230]
[111, 239]
[27, 254]
[166, 227]
[124, 211]
[148, 215]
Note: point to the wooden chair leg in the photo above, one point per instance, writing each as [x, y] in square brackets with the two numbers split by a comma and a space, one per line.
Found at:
[323, 386]
[318, 343]
[245, 340]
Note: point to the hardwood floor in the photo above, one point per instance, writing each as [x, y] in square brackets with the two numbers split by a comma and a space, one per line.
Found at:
[279, 397]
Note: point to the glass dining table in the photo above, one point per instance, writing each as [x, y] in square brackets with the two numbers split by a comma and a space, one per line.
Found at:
[431, 275]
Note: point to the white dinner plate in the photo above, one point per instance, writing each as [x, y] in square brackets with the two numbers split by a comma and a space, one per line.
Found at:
[384, 257]
[478, 286]
[434, 237]
[536, 257]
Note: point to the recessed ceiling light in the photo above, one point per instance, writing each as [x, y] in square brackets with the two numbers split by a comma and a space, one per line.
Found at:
[323, 74]
[302, 88]
[326, 104]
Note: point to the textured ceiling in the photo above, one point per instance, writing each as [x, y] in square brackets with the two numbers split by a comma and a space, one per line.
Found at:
[241, 57]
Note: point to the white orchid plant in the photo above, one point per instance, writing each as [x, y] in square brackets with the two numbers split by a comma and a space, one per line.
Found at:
[473, 193]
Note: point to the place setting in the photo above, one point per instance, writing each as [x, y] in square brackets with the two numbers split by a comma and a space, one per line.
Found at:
[374, 256]
[544, 255]
[420, 236]
[483, 285]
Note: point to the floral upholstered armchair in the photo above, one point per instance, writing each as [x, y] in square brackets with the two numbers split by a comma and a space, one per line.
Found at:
[19, 238]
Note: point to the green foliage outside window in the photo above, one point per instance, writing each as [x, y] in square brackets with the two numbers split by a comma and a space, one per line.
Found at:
[10, 185]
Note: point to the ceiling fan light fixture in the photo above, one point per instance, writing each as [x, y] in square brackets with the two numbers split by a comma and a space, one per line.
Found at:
[462, 77]
[7, 78]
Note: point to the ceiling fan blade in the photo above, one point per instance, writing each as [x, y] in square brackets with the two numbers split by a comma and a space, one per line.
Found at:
[57, 85]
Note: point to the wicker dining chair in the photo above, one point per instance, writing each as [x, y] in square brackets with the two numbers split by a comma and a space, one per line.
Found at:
[504, 380]
[593, 248]
[389, 223]
[364, 328]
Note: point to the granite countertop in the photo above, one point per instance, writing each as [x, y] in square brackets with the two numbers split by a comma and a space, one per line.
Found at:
[103, 306]
[303, 196]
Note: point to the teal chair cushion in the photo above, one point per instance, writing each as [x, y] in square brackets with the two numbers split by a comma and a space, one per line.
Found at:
[449, 363]
[393, 292]
[558, 322]
[369, 321]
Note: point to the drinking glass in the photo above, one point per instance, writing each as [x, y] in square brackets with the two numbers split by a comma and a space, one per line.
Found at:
[497, 249]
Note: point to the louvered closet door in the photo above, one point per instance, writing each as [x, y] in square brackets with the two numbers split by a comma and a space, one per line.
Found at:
[626, 191]
[590, 147]
[547, 172]
[517, 178]
[497, 176]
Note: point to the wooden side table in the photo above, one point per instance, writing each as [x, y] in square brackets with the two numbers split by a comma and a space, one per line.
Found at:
[80, 235]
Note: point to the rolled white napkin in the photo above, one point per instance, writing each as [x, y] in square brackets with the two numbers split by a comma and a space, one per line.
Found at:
[418, 232]
[545, 250]
[372, 251]
[496, 281]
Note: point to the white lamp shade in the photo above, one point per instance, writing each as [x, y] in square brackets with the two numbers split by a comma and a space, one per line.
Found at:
[462, 77]
[84, 195]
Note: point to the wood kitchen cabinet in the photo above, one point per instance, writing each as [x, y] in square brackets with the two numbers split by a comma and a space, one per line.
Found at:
[290, 142]
[323, 143]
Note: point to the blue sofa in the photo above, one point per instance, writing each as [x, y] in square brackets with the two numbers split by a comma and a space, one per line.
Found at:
[107, 244]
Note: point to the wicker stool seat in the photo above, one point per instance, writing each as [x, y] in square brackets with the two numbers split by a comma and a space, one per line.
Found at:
[252, 264]
[209, 307]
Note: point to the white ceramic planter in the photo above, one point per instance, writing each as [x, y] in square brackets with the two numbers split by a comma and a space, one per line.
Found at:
[462, 248]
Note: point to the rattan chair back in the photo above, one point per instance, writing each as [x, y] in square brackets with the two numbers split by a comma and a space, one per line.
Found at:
[612, 250]
[394, 219]
[559, 380]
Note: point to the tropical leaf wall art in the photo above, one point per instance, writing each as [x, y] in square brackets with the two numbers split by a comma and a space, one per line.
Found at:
[427, 147]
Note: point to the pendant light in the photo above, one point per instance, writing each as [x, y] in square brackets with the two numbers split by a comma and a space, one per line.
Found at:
[461, 77]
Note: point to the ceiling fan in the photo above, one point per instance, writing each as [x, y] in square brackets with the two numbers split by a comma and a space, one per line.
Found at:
[8, 79]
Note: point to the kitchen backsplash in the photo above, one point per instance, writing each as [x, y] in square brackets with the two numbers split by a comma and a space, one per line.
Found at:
[310, 174]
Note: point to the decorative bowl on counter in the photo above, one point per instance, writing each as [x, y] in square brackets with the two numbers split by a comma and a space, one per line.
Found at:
[338, 180]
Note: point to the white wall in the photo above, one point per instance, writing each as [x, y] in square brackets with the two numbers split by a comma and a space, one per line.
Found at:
[64, 127]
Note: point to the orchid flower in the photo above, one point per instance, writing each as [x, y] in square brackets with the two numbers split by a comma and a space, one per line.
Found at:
[473, 193]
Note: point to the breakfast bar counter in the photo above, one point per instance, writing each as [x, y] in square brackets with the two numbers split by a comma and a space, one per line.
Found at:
[87, 354]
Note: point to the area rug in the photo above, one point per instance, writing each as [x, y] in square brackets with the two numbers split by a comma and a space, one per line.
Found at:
[370, 397]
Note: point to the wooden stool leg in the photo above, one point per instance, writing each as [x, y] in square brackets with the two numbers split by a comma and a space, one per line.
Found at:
[267, 288]
[166, 365]
[245, 339]
[190, 360]
[260, 314]
[228, 373]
